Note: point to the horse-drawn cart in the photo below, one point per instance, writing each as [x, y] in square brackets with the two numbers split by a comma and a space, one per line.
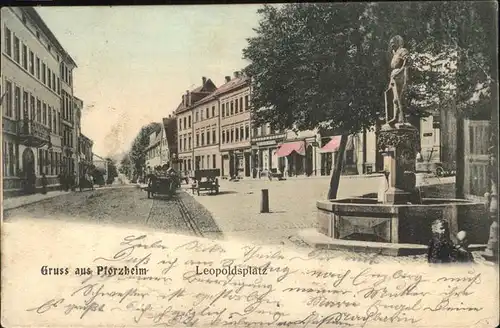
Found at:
[162, 184]
[206, 180]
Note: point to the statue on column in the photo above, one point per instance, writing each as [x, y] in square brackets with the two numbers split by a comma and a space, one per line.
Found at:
[398, 80]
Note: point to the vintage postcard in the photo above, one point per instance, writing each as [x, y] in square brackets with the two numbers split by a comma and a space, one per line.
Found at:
[258, 165]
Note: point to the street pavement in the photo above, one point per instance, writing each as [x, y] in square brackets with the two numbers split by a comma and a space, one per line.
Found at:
[233, 214]
[236, 209]
[123, 205]
[292, 205]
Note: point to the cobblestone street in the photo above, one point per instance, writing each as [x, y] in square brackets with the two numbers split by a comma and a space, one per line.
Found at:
[292, 204]
[293, 208]
[233, 214]
[128, 206]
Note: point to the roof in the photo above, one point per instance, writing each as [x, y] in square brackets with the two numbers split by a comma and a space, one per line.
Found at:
[30, 11]
[225, 88]
[86, 138]
[197, 95]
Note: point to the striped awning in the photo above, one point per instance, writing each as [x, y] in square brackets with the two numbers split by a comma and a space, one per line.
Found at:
[334, 144]
[290, 147]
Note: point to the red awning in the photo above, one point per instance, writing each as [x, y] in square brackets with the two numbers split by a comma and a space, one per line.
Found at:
[289, 147]
[332, 145]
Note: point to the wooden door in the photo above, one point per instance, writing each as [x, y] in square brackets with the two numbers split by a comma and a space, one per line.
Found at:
[476, 143]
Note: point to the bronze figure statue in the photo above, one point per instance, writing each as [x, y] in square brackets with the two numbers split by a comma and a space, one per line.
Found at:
[398, 80]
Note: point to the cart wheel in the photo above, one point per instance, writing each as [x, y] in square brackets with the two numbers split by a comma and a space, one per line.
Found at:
[439, 172]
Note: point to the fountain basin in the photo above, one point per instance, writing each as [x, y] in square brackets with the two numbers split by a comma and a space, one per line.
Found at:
[364, 224]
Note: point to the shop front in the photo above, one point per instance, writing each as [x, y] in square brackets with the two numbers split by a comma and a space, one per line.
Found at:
[329, 150]
[294, 155]
[236, 163]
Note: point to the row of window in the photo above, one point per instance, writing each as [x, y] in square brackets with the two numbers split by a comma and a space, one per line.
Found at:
[156, 151]
[67, 109]
[33, 108]
[49, 162]
[185, 165]
[229, 108]
[206, 138]
[204, 114]
[228, 135]
[67, 137]
[185, 142]
[205, 162]
[29, 62]
[235, 134]
[186, 121]
[235, 106]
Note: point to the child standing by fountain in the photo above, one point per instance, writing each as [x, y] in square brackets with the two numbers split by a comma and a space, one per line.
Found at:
[463, 255]
[441, 248]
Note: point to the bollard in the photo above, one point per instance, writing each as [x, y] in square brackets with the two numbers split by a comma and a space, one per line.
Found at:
[264, 201]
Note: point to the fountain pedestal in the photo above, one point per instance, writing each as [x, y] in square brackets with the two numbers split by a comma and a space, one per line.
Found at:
[399, 145]
[398, 221]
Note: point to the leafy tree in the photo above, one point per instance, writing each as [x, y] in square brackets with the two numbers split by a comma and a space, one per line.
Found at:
[326, 66]
[319, 66]
[138, 151]
[126, 165]
[112, 171]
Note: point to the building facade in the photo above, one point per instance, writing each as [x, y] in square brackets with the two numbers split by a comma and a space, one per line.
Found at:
[265, 143]
[235, 126]
[157, 153]
[185, 116]
[77, 109]
[206, 152]
[32, 105]
[85, 145]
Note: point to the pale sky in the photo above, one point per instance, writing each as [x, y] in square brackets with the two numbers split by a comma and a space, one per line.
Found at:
[134, 63]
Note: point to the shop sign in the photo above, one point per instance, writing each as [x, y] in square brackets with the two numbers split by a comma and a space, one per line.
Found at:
[266, 143]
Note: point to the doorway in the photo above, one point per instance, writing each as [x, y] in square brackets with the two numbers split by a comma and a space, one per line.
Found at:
[247, 164]
[29, 171]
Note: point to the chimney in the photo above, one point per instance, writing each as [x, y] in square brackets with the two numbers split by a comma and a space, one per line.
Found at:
[228, 78]
[203, 81]
[236, 74]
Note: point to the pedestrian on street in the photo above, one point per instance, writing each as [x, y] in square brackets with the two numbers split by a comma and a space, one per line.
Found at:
[44, 184]
[73, 181]
[65, 181]
[60, 179]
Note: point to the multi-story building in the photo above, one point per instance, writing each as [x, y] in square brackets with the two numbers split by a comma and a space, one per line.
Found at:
[170, 130]
[33, 89]
[77, 109]
[85, 145]
[157, 152]
[265, 144]
[185, 119]
[68, 125]
[206, 152]
[235, 145]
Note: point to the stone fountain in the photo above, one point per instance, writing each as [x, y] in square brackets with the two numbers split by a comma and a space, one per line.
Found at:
[397, 221]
